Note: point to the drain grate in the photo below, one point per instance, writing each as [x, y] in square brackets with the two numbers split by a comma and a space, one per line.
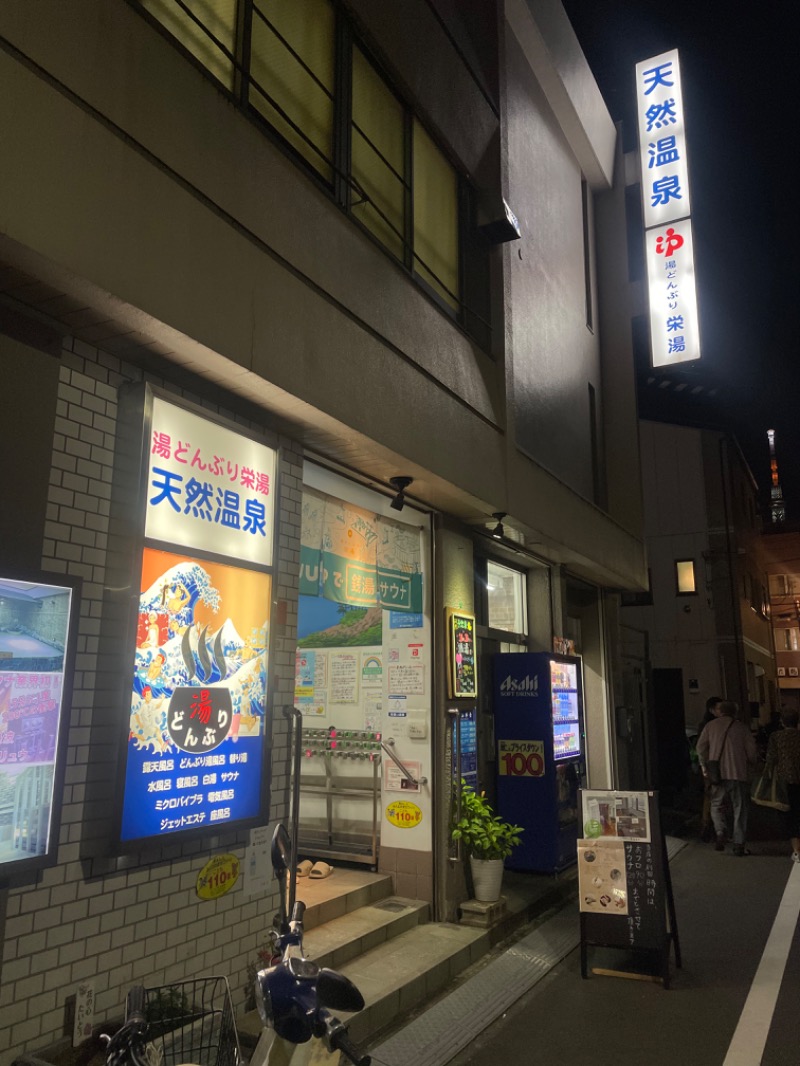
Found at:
[390, 905]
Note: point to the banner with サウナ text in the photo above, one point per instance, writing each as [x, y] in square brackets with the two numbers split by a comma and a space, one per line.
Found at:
[354, 556]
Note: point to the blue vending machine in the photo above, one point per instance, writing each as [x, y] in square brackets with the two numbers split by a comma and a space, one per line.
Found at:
[538, 716]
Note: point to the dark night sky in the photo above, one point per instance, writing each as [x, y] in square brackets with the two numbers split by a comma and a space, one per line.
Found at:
[741, 89]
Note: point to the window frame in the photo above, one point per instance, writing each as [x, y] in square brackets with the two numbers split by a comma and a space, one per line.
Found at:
[473, 250]
[481, 599]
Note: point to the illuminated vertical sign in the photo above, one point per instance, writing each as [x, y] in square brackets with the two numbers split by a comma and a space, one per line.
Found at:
[198, 718]
[674, 327]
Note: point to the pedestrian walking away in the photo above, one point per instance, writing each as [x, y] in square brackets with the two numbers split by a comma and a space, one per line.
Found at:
[729, 743]
[783, 760]
[706, 825]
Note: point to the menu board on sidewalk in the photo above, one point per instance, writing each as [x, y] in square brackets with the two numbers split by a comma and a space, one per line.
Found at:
[625, 890]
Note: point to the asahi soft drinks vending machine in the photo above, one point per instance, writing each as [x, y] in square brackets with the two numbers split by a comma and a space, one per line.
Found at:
[538, 715]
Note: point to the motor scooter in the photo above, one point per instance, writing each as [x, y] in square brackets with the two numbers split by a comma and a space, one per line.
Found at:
[295, 996]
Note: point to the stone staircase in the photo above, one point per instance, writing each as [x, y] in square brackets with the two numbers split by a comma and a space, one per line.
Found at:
[384, 943]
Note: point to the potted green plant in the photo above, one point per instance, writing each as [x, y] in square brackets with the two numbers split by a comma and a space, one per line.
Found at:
[487, 840]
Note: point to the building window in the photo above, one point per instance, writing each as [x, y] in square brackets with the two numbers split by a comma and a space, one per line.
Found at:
[205, 28]
[378, 141]
[506, 598]
[685, 577]
[292, 74]
[790, 639]
[780, 585]
[297, 65]
[435, 218]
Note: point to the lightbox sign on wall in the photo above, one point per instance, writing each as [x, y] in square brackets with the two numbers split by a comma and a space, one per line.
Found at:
[674, 332]
[674, 328]
[38, 619]
[198, 725]
[209, 488]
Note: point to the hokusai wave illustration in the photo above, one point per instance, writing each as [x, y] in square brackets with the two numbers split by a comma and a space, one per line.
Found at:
[174, 650]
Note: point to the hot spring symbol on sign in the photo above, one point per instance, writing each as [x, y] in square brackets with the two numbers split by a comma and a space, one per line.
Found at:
[193, 686]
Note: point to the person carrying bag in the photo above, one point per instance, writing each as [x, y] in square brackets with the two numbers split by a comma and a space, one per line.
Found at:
[734, 750]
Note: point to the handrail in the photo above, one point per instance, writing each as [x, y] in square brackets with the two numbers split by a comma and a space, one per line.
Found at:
[403, 769]
[295, 717]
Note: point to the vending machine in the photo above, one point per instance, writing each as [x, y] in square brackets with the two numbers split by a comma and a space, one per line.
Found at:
[538, 715]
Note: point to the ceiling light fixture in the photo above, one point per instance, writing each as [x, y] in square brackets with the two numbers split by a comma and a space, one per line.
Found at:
[498, 532]
[400, 484]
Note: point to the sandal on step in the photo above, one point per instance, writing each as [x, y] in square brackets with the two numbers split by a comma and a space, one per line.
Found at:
[320, 870]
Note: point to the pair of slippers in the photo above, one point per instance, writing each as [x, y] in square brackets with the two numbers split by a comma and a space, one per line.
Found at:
[314, 870]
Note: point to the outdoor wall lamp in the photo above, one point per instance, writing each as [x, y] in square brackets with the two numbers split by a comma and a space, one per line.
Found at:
[498, 532]
[400, 484]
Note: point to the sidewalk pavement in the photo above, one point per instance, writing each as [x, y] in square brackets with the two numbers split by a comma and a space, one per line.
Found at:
[529, 1002]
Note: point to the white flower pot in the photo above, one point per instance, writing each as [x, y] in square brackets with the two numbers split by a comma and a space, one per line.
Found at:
[487, 877]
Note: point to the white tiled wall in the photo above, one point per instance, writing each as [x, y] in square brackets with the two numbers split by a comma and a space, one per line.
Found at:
[118, 921]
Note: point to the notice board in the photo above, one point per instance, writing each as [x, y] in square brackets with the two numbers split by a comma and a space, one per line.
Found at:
[625, 890]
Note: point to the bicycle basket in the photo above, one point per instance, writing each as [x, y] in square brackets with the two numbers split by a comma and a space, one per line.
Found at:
[193, 1022]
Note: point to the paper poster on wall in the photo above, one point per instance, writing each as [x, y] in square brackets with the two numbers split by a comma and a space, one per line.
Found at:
[257, 866]
[344, 677]
[304, 669]
[397, 620]
[394, 780]
[198, 701]
[371, 670]
[602, 880]
[406, 679]
[320, 670]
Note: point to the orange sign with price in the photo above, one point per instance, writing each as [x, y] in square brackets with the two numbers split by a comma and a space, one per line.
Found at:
[520, 758]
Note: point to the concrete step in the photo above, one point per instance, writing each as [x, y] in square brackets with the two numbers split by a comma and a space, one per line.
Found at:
[410, 964]
[357, 932]
[409, 970]
[343, 892]
[347, 914]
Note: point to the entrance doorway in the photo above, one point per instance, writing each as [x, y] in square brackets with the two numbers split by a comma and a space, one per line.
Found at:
[672, 769]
